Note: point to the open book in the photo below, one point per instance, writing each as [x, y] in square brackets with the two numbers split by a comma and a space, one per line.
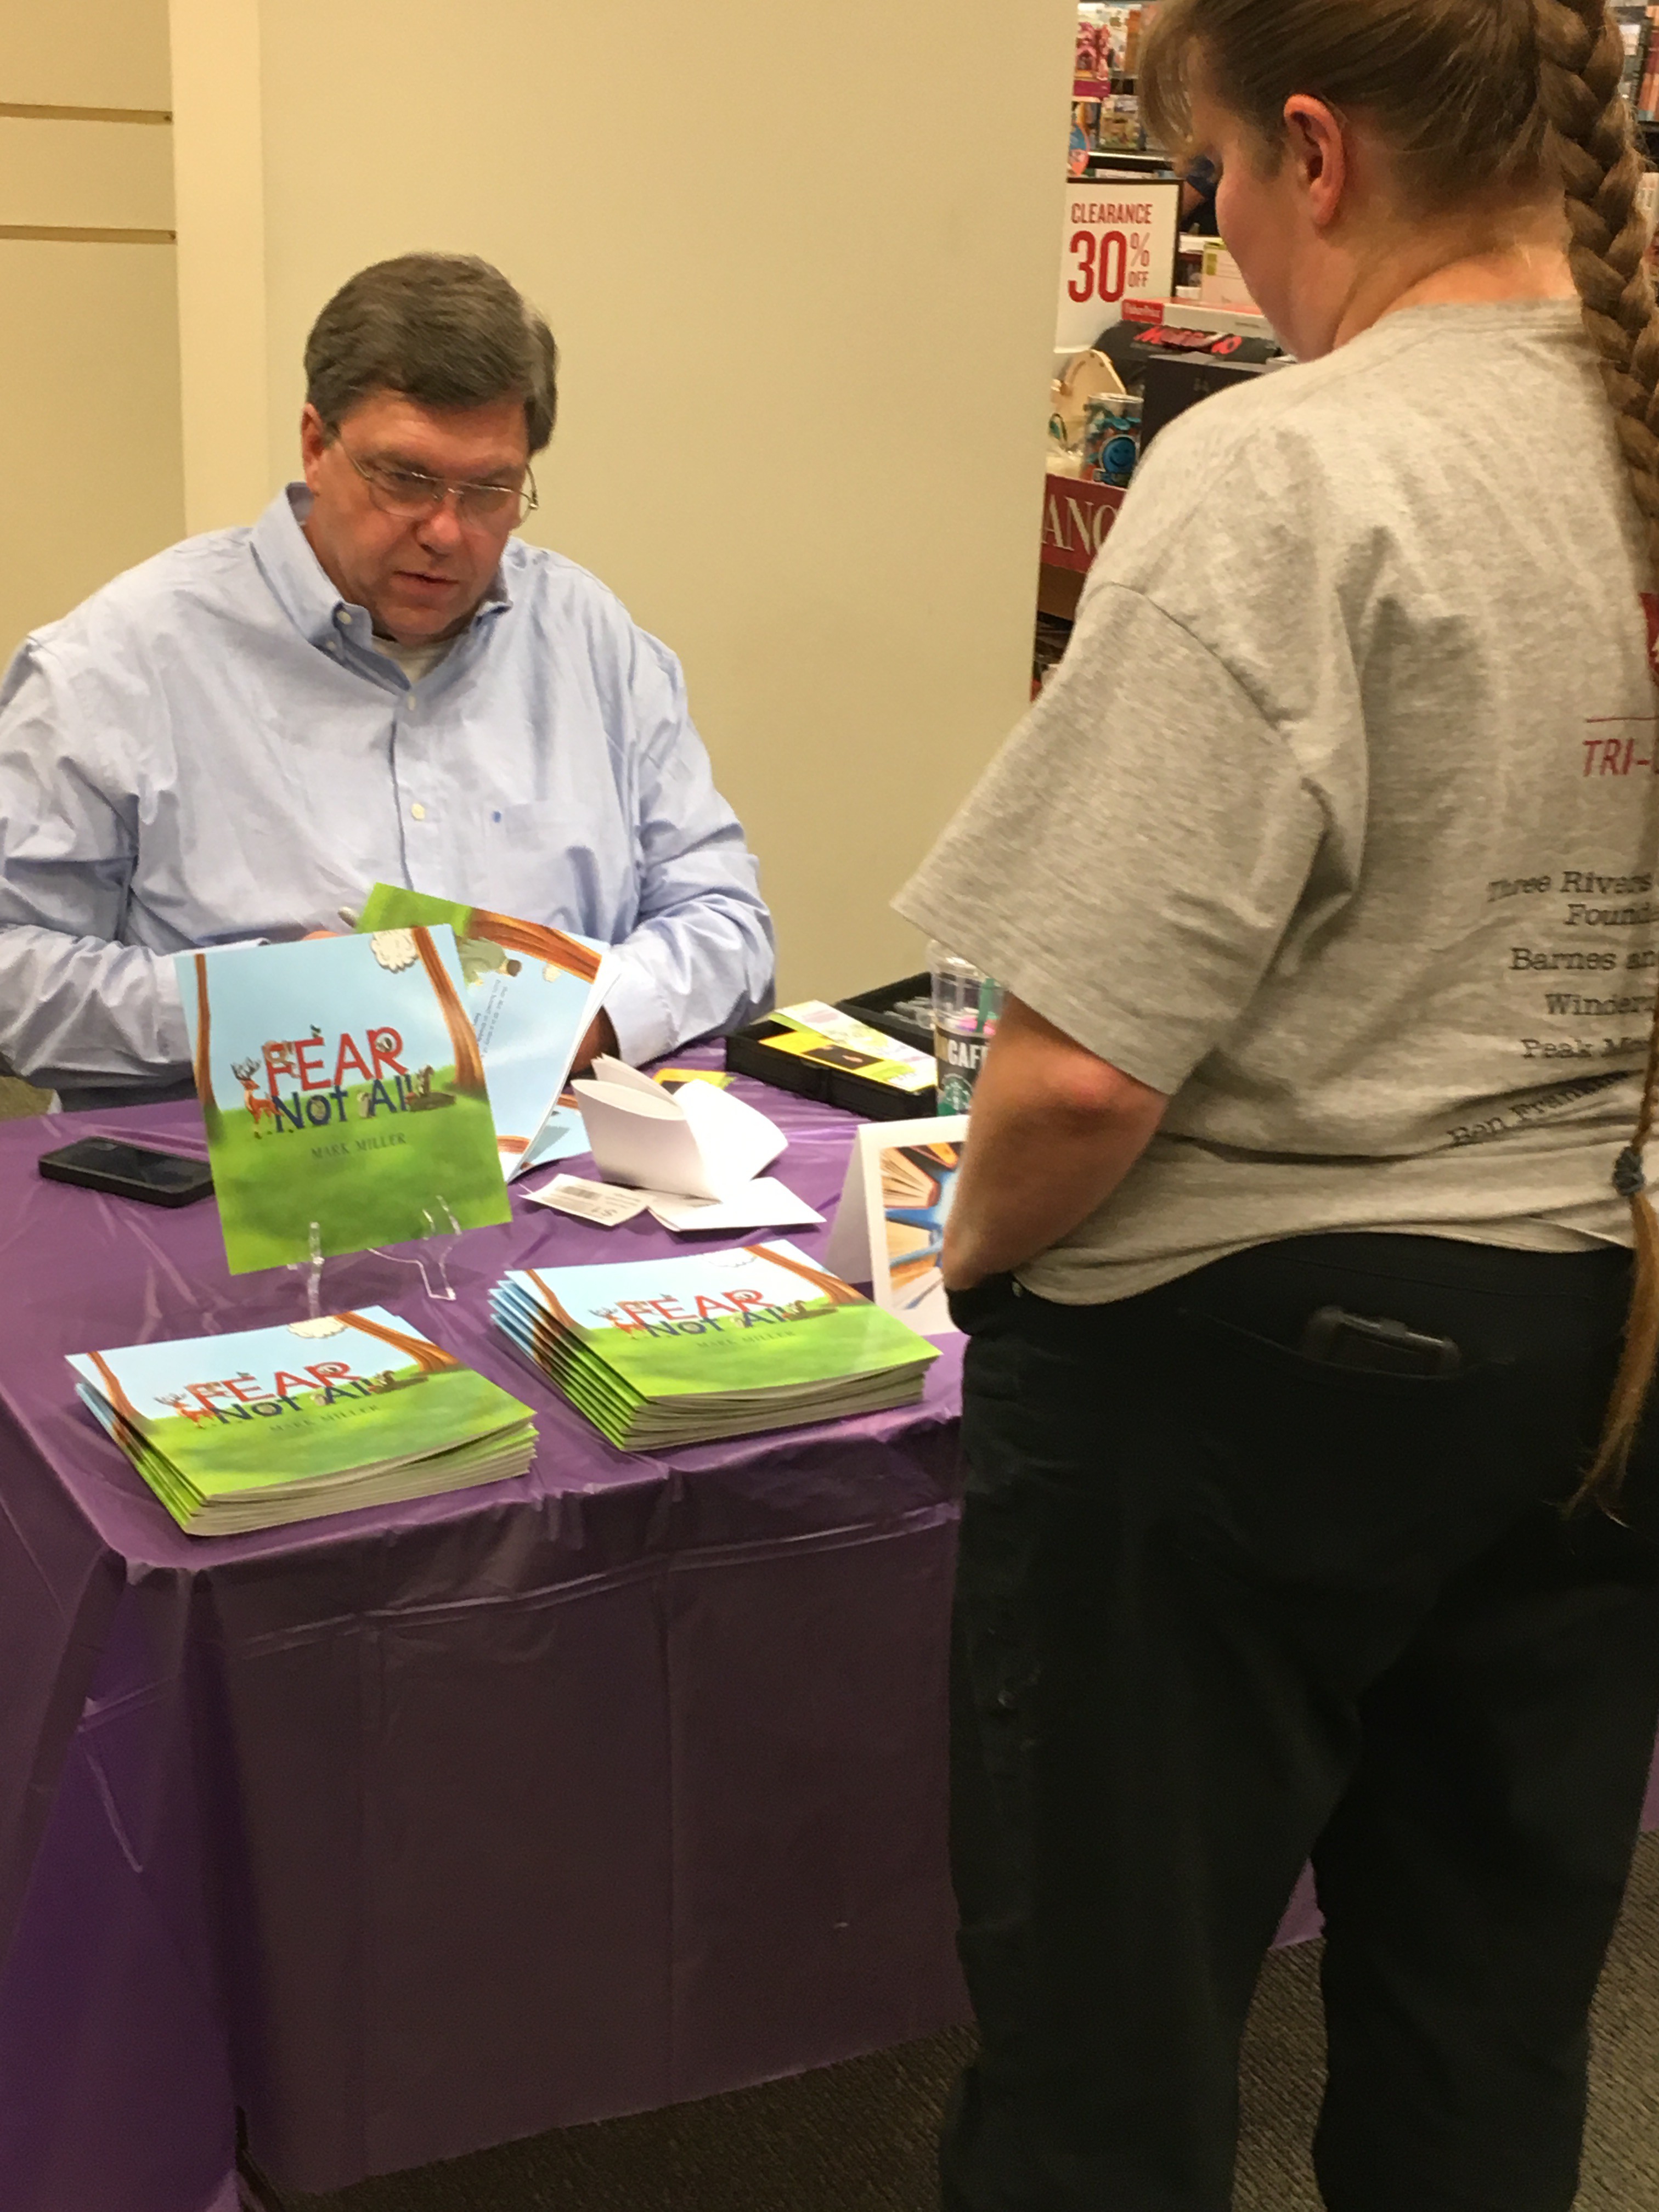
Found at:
[531, 991]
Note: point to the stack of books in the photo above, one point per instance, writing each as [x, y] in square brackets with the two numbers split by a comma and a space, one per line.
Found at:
[657, 1353]
[265, 1426]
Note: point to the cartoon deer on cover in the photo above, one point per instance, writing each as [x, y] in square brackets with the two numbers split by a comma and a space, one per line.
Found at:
[260, 1105]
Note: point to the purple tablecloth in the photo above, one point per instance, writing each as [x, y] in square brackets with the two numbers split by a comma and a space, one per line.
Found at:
[419, 1828]
[423, 1827]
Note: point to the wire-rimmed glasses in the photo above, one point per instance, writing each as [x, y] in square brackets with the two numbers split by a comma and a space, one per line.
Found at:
[411, 495]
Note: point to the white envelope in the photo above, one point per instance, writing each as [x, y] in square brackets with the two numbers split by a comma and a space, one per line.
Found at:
[699, 1143]
[762, 1204]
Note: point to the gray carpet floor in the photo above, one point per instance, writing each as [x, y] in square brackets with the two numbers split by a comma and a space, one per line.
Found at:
[859, 2137]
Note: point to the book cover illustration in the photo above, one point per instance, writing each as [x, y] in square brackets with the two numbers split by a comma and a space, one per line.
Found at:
[894, 1203]
[341, 1084]
[917, 1184]
[261, 1426]
[531, 992]
[655, 1351]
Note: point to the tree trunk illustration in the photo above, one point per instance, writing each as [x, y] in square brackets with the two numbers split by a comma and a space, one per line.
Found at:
[468, 1067]
[430, 1358]
[128, 1425]
[204, 1031]
[837, 1292]
[551, 947]
[553, 1305]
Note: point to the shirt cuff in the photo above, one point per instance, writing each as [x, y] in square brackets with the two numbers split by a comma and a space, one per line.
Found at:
[645, 1023]
[172, 1036]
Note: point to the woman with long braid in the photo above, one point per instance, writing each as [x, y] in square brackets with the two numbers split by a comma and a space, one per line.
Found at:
[1311, 1510]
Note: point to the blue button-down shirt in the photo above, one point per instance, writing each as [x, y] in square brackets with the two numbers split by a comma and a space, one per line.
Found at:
[210, 749]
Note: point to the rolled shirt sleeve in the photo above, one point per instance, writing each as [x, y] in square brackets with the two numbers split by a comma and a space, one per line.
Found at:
[1130, 863]
[74, 1002]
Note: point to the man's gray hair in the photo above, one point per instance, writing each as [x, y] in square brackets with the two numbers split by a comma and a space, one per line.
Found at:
[444, 329]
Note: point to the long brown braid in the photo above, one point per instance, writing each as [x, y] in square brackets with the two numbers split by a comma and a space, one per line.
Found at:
[1581, 62]
[1482, 103]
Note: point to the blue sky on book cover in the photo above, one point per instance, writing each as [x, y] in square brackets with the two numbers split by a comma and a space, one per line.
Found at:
[295, 1400]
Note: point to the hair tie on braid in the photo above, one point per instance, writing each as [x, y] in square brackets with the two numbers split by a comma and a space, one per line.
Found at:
[1629, 1176]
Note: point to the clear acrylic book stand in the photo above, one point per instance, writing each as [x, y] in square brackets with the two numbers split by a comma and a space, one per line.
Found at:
[435, 1262]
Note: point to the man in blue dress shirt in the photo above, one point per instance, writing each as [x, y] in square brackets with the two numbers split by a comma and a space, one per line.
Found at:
[376, 681]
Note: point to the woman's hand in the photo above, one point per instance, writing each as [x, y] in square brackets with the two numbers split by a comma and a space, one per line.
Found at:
[1054, 1131]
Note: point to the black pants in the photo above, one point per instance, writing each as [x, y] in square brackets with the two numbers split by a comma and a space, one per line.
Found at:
[1221, 1607]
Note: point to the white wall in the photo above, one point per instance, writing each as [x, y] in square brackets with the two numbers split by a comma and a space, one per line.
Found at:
[800, 261]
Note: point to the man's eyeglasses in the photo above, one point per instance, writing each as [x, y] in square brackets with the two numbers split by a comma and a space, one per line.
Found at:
[412, 496]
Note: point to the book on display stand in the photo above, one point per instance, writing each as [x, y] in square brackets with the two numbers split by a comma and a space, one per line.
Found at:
[343, 1094]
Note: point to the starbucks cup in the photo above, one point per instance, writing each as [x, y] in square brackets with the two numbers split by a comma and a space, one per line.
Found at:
[966, 1004]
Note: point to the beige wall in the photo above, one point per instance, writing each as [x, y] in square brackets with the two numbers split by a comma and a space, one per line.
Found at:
[801, 264]
[90, 431]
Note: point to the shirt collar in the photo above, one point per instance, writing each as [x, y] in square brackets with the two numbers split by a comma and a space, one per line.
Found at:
[301, 585]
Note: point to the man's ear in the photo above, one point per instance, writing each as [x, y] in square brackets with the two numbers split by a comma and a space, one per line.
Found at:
[1319, 154]
[314, 442]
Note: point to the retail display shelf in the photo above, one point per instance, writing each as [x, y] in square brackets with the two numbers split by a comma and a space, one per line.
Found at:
[1077, 518]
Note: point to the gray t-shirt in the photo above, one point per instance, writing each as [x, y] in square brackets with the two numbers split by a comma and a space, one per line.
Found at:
[1338, 822]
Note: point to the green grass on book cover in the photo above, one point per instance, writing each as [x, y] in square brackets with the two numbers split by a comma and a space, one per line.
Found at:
[392, 1204]
[257, 1409]
[407, 1413]
[757, 1319]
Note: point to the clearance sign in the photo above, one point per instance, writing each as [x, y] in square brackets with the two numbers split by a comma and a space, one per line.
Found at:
[1118, 244]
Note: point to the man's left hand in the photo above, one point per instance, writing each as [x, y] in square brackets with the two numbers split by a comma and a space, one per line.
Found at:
[601, 1037]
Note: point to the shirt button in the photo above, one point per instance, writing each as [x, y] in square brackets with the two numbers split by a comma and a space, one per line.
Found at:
[418, 811]
[411, 699]
[343, 617]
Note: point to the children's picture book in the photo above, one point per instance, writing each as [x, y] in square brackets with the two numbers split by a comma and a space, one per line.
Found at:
[264, 1426]
[698, 1142]
[664, 1352]
[341, 1087]
[531, 993]
[889, 1227]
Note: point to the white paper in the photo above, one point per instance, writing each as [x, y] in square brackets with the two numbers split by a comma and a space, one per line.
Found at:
[699, 1142]
[902, 1214]
[561, 1138]
[603, 1202]
[546, 1143]
[608, 1069]
[763, 1204]
[847, 1253]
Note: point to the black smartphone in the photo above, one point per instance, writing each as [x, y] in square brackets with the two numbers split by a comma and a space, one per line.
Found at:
[1381, 1347]
[129, 1170]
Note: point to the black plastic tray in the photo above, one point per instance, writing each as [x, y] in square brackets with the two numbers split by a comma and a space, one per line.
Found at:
[875, 1007]
[746, 1053]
